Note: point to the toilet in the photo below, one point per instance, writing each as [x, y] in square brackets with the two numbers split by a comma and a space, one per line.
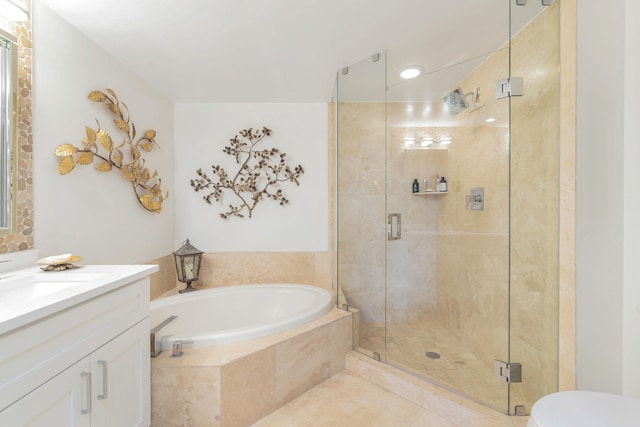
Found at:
[585, 409]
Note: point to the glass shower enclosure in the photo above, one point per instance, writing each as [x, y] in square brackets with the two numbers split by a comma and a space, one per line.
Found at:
[456, 283]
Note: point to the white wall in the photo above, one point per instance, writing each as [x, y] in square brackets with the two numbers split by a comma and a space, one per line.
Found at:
[608, 199]
[600, 195]
[89, 213]
[300, 130]
[631, 287]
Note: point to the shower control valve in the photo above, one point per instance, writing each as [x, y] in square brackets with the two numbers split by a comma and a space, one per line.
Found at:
[475, 200]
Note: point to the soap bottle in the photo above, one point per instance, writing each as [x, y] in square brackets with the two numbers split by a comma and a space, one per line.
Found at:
[442, 185]
[415, 186]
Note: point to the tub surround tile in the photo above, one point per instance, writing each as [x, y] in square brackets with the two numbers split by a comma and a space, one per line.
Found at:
[208, 356]
[248, 383]
[236, 350]
[223, 354]
[192, 397]
[228, 269]
[164, 281]
[268, 372]
[341, 333]
[242, 268]
[302, 363]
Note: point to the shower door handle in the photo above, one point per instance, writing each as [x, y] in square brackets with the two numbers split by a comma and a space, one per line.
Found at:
[394, 225]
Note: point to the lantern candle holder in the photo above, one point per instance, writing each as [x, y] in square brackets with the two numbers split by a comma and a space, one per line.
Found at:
[188, 260]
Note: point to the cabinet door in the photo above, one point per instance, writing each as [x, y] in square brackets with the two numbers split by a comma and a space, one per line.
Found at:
[63, 401]
[121, 386]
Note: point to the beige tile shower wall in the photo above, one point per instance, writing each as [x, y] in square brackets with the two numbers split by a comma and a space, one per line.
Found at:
[463, 253]
[534, 205]
[361, 203]
[411, 272]
[21, 237]
[472, 251]
[456, 260]
[472, 246]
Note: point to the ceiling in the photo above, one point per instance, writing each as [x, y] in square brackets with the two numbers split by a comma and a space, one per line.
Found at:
[283, 50]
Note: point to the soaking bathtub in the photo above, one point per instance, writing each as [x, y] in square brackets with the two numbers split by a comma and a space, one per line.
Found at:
[238, 313]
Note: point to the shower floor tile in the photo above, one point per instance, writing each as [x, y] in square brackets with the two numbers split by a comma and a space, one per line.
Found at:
[459, 367]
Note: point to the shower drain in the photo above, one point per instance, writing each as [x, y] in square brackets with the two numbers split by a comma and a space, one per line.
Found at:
[432, 355]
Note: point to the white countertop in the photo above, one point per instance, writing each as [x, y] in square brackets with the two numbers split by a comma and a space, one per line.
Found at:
[30, 294]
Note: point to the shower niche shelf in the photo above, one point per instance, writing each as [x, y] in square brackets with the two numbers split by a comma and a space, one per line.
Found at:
[418, 148]
[429, 193]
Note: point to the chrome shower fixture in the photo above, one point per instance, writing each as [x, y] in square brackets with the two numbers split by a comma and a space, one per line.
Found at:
[457, 101]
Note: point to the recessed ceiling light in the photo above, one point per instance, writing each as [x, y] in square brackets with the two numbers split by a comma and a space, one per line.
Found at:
[410, 72]
[490, 120]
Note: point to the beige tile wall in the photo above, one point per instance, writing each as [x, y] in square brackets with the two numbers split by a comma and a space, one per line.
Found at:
[244, 268]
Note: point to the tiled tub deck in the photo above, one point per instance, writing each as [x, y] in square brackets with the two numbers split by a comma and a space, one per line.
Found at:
[237, 384]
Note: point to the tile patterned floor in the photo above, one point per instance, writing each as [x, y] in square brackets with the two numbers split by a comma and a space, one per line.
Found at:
[372, 394]
[459, 367]
[352, 399]
[347, 400]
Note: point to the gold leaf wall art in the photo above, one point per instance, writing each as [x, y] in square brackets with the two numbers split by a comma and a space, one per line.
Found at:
[98, 146]
[260, 173]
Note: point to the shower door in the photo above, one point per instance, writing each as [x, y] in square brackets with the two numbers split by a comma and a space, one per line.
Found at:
[448, 276]
[456, 285]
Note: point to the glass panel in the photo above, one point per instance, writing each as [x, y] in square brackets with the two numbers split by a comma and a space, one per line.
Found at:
[534, 203]
[448, 278]
[361, 199]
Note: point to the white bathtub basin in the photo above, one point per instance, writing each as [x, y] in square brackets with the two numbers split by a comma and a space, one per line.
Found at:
[238, 313]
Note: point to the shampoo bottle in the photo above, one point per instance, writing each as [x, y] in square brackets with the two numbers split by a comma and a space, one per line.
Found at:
[442, 185]
[415, 186]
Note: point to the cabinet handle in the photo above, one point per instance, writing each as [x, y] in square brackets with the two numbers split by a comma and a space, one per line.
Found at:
[105, 376]
[87, 382]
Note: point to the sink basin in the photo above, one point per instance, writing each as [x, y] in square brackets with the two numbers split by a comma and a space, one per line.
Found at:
[40, 284]
[49, 277]
[64, 277]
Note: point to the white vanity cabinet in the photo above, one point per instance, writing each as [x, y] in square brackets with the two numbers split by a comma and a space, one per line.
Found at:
[86, 364]
[55, 403]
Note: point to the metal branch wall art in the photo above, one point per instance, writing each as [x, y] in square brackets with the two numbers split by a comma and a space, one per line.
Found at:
[145, 184]
[258, 176]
